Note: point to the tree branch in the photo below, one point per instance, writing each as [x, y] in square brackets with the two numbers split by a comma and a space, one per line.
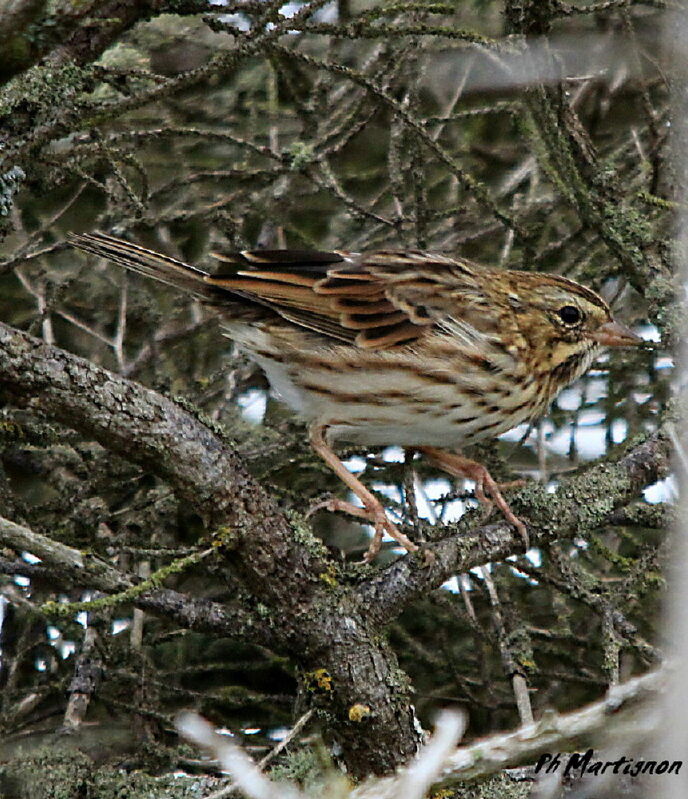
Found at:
[273, 560]
[580, 504]
[66, 567]
[325, 630]
[80, 32]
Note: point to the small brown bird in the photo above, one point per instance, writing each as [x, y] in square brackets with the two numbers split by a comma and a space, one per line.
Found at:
[384, 348]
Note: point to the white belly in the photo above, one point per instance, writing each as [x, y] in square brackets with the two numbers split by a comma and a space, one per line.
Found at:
[390, 408]
[386, 398]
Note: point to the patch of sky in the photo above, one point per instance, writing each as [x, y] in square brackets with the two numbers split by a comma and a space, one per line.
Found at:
[241, 22]
[662, 491]
[119, 625]
[253, 404]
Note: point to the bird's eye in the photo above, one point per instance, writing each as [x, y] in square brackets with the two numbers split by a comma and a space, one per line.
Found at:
[569, 315]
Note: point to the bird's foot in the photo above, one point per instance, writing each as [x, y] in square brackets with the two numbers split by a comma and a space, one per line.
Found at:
[485, 484]
[372, 511]
[375, 514]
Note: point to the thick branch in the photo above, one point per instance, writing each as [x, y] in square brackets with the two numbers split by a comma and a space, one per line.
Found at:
[580, 504]
[210, 617]
[327, 631]
[22, 539]
[149, 429]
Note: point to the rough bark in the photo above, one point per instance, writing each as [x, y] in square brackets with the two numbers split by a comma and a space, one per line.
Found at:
[344, 662]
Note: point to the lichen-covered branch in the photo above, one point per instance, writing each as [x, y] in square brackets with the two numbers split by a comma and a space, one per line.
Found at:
[148, 429]
[66, 567]
[279, 562]
[580, 504]
[31, 30]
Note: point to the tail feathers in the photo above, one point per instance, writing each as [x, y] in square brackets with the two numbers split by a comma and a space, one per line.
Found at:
[147, 262]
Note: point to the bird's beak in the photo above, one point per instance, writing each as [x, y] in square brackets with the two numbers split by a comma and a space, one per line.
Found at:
[614, 334]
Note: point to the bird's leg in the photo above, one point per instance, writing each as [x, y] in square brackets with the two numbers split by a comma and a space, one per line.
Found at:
[458, 466]
[372, 510]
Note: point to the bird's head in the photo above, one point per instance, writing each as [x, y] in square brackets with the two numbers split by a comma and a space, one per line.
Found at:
[563, 322]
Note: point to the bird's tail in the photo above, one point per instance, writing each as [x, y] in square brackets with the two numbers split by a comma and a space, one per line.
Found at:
[147, 262]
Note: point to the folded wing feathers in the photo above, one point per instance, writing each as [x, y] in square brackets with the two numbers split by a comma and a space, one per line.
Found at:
[377, 300]
[348, 298]
[314, 261]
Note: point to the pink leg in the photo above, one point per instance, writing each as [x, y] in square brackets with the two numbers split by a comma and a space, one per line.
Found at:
[458, 466]
[372, 509]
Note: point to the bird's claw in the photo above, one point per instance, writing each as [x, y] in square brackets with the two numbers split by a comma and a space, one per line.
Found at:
[374, 515]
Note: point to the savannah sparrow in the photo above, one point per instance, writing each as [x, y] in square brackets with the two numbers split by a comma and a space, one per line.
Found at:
[384, 348]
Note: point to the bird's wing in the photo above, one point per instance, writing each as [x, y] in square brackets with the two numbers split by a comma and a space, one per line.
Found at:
[376, 300]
